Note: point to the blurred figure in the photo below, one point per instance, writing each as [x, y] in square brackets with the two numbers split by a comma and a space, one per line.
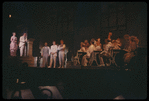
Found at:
[126, 42]
[115, 44]
[86, 44]
[13, 45]
[108, 46]
[133, 45]
[89, 51]
[119, 42]
[104, 45]
[82, 45]
[107, 52]
[98, 48]
[78, 56]
[23, 44]
[98, 45]
[109, 36]
[53, 54]
[45, 52]
[94, 42]
[61, 49]
[134, 41]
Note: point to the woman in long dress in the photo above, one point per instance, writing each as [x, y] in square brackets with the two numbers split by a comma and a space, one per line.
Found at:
[13, 45]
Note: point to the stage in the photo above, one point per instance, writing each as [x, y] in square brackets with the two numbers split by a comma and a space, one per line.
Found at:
[80, 83]
[76, 82]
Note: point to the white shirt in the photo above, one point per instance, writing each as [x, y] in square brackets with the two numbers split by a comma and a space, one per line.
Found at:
[54, 50]
[82, 49]
[61, 48]
[22, 41]
[90, 50]
[109, 45]
[98, 48]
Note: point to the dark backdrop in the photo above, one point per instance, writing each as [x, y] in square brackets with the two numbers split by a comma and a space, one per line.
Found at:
[73, 22]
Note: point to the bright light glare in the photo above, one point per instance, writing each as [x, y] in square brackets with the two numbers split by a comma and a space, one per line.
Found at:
[9, 15]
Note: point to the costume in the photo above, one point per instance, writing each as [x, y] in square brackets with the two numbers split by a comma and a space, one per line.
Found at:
[53, 55]
[61, 49]
[22, 45]
[45, 52]
[13, 46]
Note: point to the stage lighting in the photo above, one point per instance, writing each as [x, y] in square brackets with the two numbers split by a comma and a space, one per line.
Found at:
[9, 15]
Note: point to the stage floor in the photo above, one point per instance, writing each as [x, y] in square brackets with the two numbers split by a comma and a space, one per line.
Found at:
[70, 83]
[76, 82]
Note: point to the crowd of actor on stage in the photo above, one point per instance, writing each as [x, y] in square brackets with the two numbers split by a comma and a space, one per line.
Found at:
[46, 51]
[129, 44]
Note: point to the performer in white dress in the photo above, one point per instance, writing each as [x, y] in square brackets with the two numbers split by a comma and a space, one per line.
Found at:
[22, 45]
[53, 54]
[13, 45]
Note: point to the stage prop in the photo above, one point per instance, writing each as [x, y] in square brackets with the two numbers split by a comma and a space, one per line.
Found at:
[29, 58]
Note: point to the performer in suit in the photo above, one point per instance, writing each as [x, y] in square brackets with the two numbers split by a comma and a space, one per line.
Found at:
[45, 52]
[23, 44]
[61, 49]
[13, 45]
[53, 54]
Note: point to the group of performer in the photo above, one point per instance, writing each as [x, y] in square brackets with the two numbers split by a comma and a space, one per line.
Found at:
[129, 44]
[14, 45]
[46, 51]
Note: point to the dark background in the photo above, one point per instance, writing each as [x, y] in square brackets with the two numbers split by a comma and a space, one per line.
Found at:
[73, 22]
